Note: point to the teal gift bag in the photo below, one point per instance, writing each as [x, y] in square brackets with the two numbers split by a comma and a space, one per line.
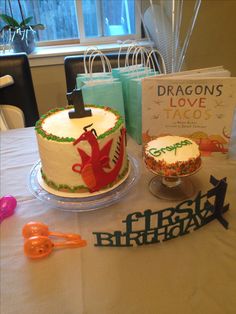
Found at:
[133, 107]
[104, 93]
[132, 92]
[88, 74]
[101, 88]
[137, 59]
[117, 72]
[125, 79]
[82, 79]
[134, 111]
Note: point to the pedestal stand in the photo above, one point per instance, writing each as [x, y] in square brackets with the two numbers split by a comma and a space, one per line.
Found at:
[172, 188]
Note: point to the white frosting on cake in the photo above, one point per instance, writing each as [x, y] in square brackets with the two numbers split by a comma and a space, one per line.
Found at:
[61, 125]
[172, 149]
[58, 156]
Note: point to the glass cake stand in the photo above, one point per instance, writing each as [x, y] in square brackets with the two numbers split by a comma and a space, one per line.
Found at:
[172, 188]
[79, 203]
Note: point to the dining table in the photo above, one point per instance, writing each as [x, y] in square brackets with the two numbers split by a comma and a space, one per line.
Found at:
[194, 272]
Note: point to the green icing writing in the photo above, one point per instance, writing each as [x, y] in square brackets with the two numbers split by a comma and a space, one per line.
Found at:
[157, 152]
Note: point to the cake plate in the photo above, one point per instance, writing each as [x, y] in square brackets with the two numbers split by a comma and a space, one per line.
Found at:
[172, 188]
[80, 203]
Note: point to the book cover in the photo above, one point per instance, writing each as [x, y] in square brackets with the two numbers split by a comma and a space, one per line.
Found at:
[200, 108]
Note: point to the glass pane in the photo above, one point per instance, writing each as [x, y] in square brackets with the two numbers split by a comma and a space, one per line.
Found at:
[118, 17]
[108, 17]
[90, 13]
[58, 16]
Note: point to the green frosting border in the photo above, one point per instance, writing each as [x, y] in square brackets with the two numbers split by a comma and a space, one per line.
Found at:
[76, 188]
[49, 136]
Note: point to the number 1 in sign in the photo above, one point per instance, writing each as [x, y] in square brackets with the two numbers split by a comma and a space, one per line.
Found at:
[75, 99]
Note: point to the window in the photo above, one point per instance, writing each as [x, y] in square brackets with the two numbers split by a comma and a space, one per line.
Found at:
[77, 20]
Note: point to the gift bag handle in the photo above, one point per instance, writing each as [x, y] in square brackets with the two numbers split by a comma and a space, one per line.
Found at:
[135, 69]
[144, 52]
[92, 56]
[140, 51]
[128, 41]
[128, 54]
[150, 57]
[104, 59]
[93, 49]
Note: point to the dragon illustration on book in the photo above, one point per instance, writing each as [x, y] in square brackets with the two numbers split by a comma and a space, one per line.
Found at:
[92, 167]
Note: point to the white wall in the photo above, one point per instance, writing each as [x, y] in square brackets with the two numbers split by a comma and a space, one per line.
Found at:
[50, 87]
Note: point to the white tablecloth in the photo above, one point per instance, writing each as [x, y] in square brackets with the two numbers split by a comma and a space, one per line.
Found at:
[195, 273]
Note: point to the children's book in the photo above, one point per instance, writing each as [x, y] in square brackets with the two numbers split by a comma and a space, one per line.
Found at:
[196, 104]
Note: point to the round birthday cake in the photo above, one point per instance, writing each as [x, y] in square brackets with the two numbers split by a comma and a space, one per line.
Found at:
[172, 156]
[85, 154]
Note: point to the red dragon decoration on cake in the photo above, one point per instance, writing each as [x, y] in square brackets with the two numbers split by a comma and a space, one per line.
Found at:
[92, 167]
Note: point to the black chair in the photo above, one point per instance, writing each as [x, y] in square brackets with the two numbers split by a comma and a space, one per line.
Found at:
[21, 93]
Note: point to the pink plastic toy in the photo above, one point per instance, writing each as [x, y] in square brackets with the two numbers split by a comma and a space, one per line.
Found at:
[7, 206]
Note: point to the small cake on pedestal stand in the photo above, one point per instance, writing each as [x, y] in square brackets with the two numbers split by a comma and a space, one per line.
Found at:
[173, 159]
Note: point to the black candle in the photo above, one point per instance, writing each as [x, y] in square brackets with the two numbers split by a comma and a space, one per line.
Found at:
[75, 99]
